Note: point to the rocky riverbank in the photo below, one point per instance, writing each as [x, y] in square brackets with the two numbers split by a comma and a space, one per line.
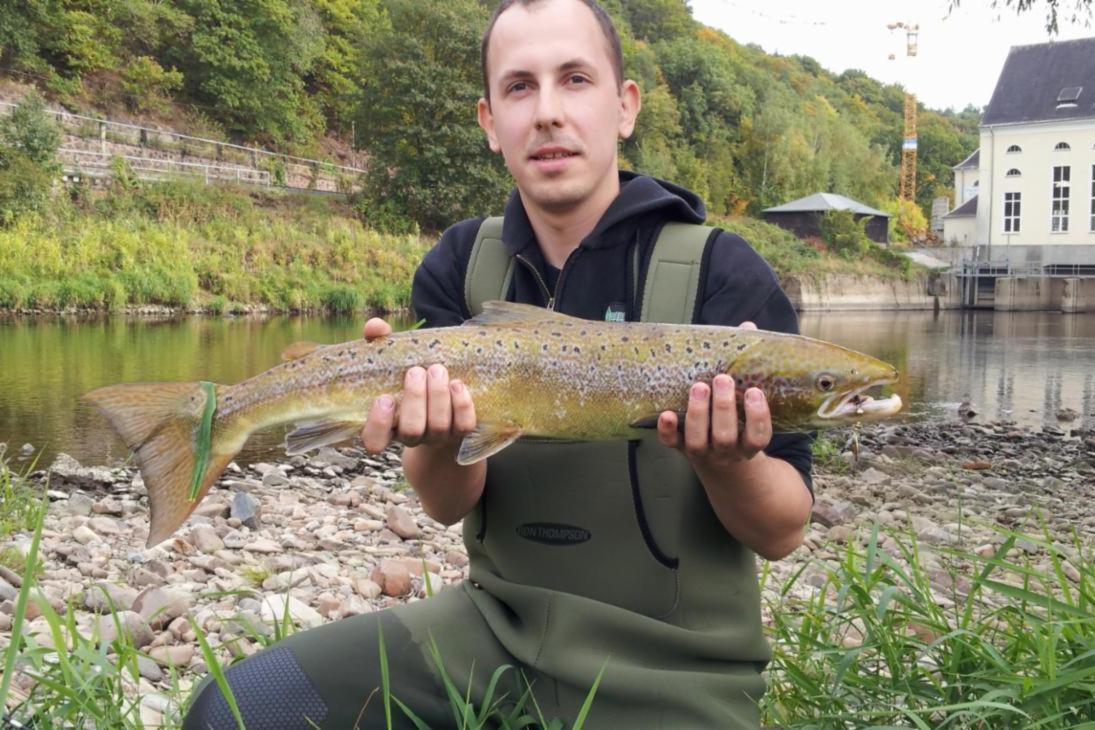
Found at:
[340, 534]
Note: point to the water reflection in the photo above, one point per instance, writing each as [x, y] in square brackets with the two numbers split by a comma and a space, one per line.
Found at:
[1023, 366]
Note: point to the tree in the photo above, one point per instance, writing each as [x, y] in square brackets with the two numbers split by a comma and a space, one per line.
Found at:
[655, 20]
[428, 159]
[1076, 11]
[28, 147]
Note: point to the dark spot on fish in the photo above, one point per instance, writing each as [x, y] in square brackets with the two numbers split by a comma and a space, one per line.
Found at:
[434, 344]
[479, 350]
[543, 348]
[369, 361]
[604, 347]
[556, 334]
[464, 343]
[499, 343]
[414, 340]
[582, 333]
[625, 338]
[577, 350]
[564, 348]
[668, 347]
[689, 350]
[742, 346]
[707, 345]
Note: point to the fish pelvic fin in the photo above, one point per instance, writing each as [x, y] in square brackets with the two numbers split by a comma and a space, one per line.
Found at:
[169, 428]
[486, 440]
[308, 436]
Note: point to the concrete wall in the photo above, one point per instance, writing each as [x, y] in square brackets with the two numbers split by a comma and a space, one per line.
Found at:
[965, 184]
[1035, 163]
[1040, 293]
[856, 293]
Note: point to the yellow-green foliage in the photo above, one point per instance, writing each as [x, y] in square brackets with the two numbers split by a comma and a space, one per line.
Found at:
[182, 245]
[908, 222]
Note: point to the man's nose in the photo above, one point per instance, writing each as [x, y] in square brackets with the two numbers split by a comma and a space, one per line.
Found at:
[549, 107]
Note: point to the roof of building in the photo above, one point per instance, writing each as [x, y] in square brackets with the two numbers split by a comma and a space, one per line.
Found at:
[974, 161]
[823, 202]
[966, 209]
[1045, 82]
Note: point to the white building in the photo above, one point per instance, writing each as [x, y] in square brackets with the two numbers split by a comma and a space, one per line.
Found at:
[1027, 195]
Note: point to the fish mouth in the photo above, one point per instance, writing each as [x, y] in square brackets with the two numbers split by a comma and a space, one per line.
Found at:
[855, 405]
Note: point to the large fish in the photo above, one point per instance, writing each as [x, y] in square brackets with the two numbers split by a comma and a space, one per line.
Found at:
[530, 371]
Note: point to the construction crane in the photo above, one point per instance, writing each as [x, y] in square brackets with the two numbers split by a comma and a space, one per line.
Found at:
[908, 143]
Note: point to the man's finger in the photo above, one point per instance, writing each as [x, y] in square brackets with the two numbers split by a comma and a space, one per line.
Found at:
[377, 433]
[697, 421]
[747, 326]
[412, 411]
[724, 415]
[758, 422]
[463, 410]
[439, 402]
[376, 327]
[668, 434]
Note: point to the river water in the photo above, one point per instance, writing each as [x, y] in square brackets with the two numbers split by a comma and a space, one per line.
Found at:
[1019, 366]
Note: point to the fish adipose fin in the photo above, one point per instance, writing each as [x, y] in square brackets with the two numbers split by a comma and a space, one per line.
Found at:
[486, 440]
[169, 427]
[308, 436]
[496, 312]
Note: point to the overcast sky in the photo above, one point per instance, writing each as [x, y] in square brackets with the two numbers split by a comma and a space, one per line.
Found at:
[959, 56]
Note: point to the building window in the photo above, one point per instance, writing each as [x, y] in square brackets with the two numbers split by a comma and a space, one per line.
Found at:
[1062, 147]
[1013, 172]
[1093, 197]
[1014, 149]
[1011, 212]
[1061, 183]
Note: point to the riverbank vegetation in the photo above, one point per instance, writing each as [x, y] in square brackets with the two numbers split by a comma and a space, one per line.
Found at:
[185, 245]
[998, 637]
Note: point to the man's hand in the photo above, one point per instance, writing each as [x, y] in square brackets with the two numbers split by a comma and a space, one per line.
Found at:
[712, 436]
[434, 410]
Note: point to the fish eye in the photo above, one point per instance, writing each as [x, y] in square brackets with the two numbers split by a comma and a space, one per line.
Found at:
[826, 382]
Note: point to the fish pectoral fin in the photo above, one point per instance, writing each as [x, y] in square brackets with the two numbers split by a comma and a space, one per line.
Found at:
[486, 440]
[298, 350]
[308, 436]
[497, 312]
[652, 421]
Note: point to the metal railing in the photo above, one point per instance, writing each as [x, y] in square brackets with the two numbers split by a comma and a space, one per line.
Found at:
[299, 172]
[98, 164]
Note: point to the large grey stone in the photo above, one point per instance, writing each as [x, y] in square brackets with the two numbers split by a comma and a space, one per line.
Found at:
[159, 606]
[246, 510]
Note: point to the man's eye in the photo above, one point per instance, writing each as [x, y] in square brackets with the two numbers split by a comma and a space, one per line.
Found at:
[519, 86]
[577, 79]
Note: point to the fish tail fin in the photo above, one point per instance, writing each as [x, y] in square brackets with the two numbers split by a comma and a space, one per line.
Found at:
[169, 427]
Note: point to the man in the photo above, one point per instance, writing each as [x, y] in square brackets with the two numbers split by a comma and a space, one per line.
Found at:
[656, 581]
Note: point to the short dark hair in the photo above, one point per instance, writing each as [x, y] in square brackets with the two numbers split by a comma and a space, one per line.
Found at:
[608, 28]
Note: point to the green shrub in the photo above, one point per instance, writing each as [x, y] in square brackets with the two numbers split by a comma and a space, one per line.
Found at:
[24, 185]
[341, 299]
[844, 235]
[31, 131]
[147, 86]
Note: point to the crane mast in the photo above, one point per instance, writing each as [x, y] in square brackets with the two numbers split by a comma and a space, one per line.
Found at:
[908, 141]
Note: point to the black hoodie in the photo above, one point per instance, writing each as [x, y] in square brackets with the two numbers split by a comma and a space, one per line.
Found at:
[736, 284]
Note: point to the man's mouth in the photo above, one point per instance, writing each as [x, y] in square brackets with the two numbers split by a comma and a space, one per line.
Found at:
[552, 154]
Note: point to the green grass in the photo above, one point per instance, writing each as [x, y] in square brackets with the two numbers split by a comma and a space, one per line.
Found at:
[1012, 644]
[187, 245]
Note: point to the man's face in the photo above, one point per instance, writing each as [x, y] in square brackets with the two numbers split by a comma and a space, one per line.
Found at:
[556, 109]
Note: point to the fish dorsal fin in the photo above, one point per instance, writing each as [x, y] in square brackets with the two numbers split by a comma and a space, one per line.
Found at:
[497, 312]
[298, 350]
[486, 440]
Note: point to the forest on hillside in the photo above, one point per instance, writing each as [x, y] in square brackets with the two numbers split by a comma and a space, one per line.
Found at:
[743, 128]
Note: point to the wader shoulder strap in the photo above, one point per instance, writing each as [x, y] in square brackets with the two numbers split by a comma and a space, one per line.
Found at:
[673, 277]
[490, 267]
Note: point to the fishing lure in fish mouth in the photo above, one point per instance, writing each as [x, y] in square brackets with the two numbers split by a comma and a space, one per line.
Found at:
[532, 372]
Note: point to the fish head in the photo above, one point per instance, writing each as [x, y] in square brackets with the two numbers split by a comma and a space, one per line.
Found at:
[811, 384]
